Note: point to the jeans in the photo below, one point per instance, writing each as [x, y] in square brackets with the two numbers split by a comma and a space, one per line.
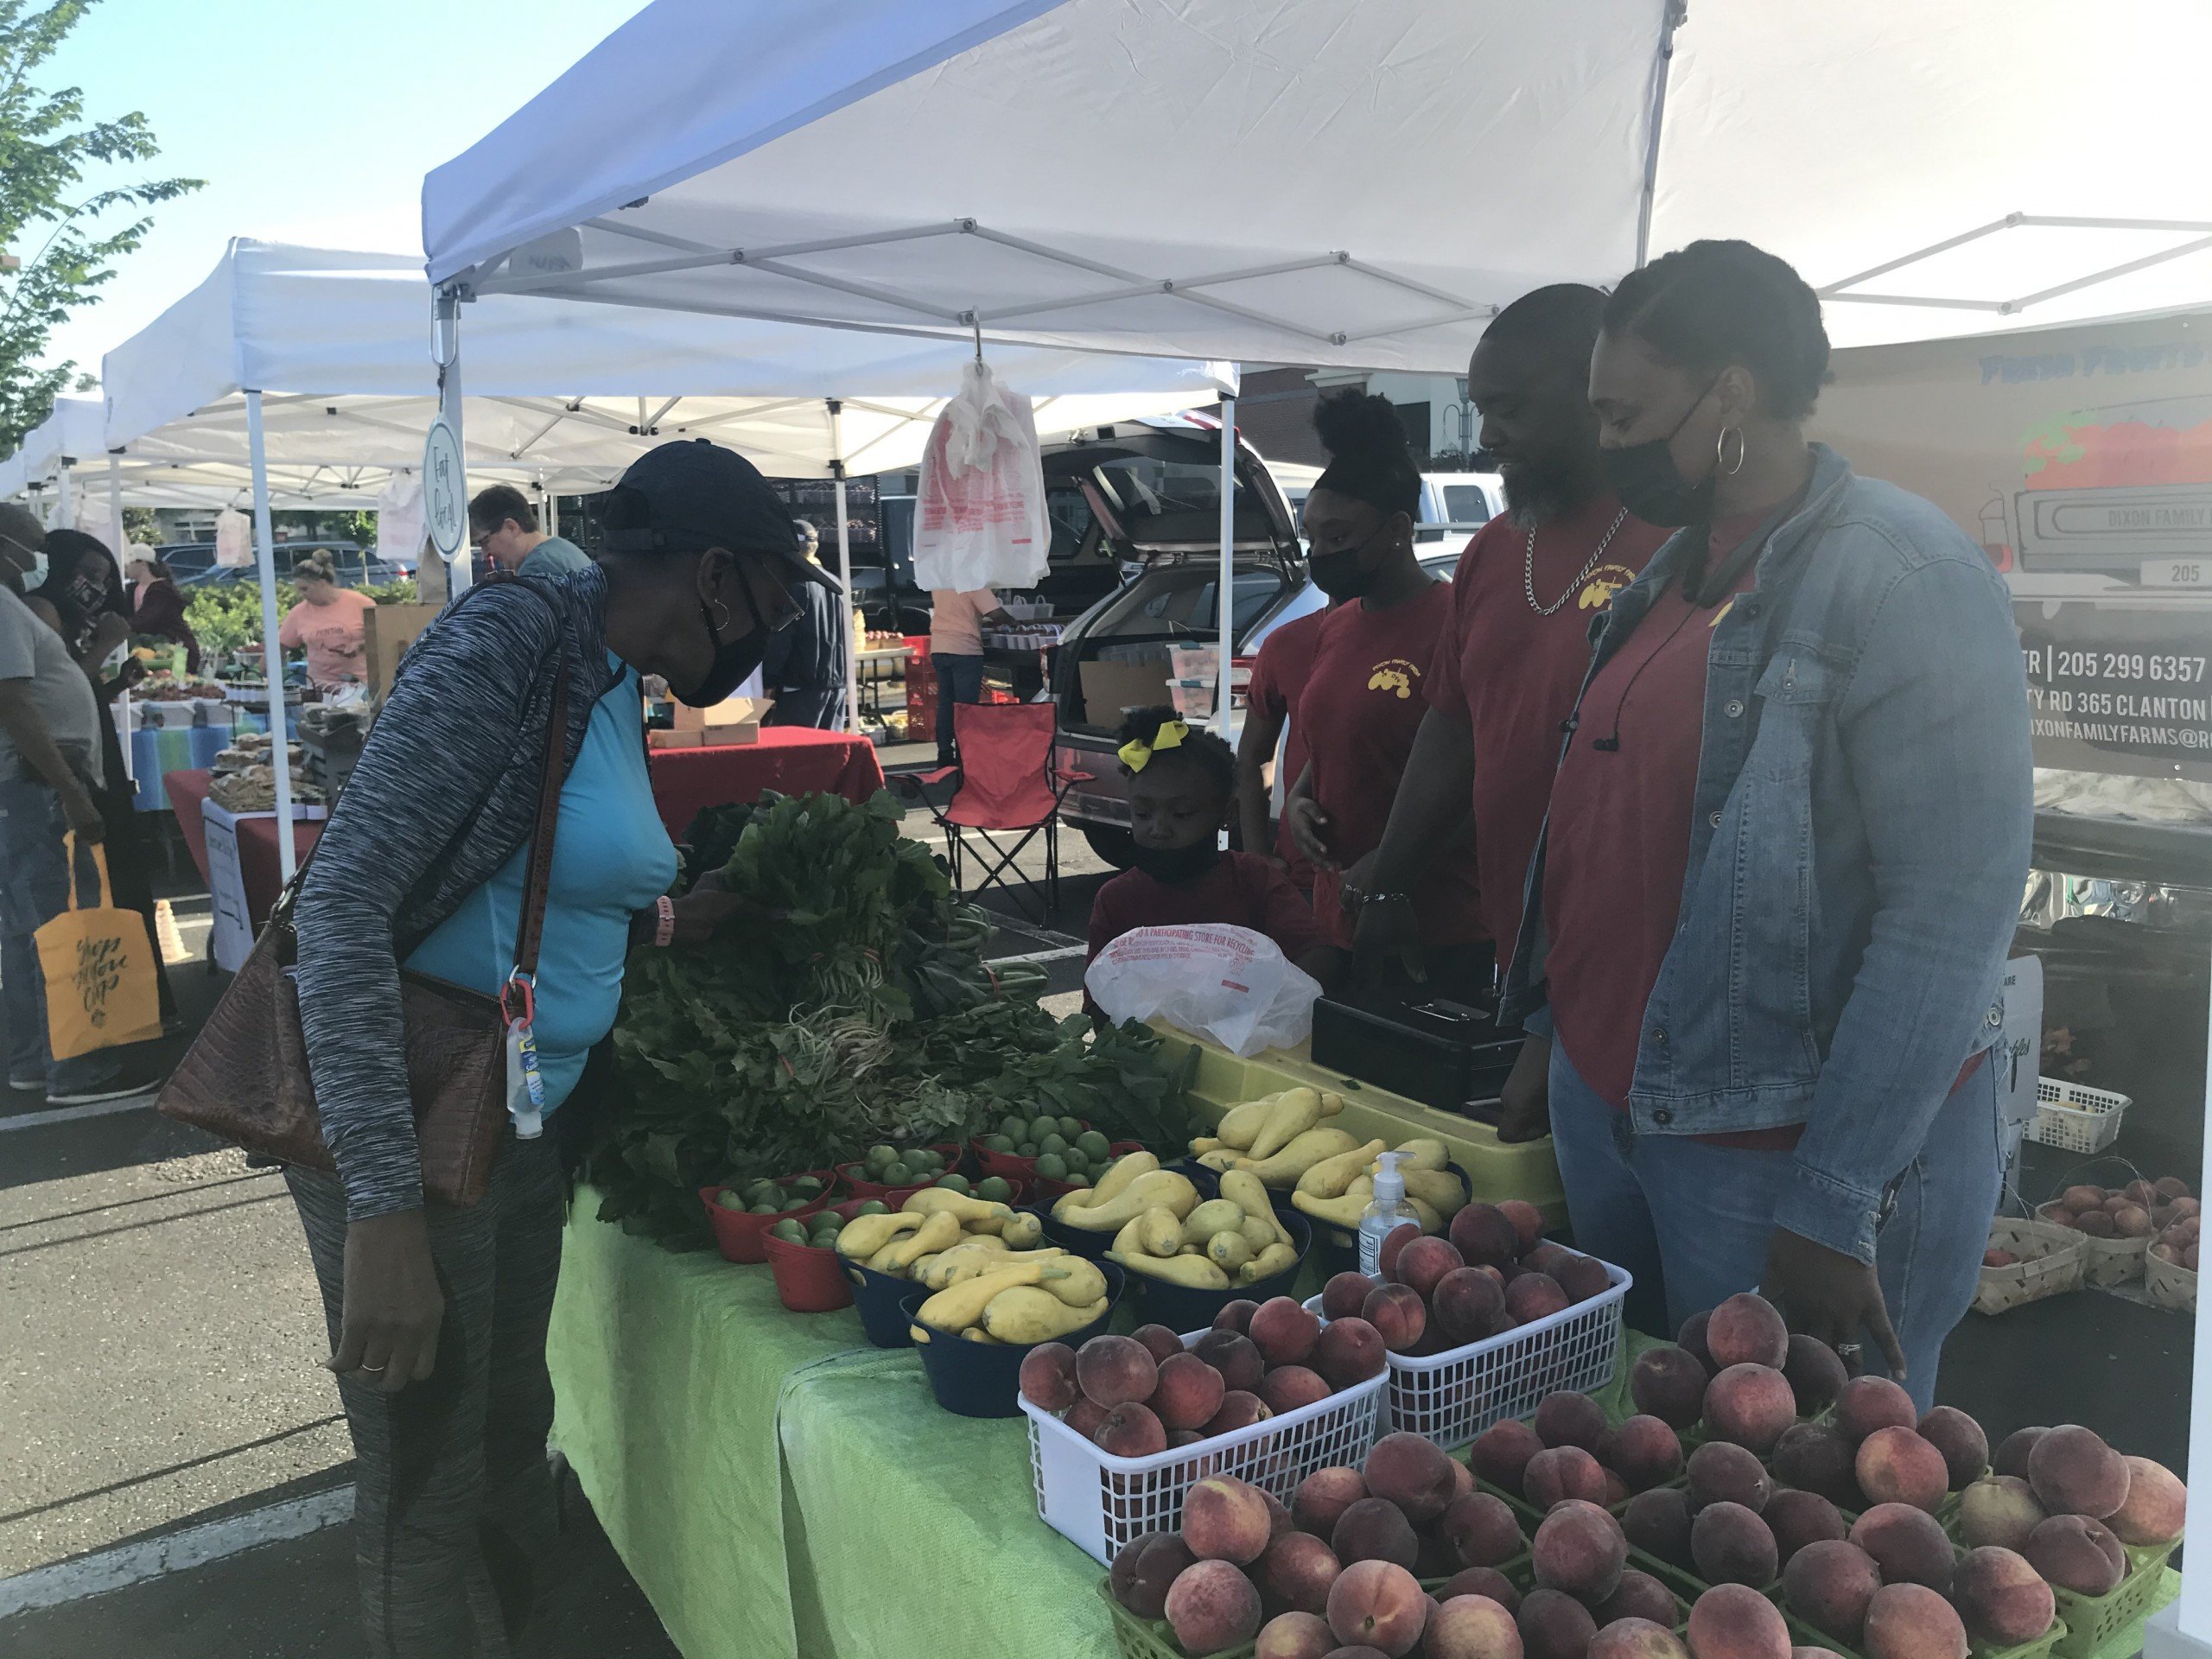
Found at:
[959, 679]
[1691, 1221]
[821, 707]
[33, 889]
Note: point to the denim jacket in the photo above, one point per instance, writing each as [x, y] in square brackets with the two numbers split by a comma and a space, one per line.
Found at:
[1863, 813]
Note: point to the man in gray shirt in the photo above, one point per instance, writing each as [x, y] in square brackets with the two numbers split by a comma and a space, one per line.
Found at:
[503, 526]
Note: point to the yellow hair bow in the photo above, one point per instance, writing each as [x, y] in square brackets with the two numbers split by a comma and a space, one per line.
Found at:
[1136, 753]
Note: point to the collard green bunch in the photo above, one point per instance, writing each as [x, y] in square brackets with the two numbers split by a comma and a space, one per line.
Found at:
[857, 1009]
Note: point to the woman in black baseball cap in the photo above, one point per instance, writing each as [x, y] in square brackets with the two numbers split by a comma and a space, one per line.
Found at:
[422, 864]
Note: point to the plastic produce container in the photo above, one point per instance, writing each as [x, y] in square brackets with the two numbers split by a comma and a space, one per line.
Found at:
[1180, 1309]
[741, 1236]
[983, 1379]
[811, 1280]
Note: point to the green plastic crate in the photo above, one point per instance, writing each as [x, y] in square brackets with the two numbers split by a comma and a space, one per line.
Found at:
[2092, 1622]
[1140, 1638]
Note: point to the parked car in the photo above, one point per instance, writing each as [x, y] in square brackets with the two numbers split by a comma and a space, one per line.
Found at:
[195, 563]
[1453, 505]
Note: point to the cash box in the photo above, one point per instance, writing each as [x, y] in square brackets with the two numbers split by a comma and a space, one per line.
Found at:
[1442, 1053]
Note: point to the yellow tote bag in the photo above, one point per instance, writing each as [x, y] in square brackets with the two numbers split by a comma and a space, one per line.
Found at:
[99, 964]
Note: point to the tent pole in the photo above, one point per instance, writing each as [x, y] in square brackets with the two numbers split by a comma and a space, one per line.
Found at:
[446, 334]
[65, 505]
[844, 607]
[1659, 73]
[552, 510]
[272, 654]
[115, 506]
[1225, 595]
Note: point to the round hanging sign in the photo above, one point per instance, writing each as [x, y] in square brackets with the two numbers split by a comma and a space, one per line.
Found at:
[445, 489]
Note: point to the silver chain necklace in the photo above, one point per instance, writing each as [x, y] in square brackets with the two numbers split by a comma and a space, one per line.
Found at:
[1528, 568]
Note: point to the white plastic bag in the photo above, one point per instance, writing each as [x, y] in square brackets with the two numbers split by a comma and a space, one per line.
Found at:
[980, 519]
[1227, 983]
[234, 537]
[399, 522]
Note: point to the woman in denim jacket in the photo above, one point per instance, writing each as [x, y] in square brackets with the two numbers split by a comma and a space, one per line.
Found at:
[1766, 921]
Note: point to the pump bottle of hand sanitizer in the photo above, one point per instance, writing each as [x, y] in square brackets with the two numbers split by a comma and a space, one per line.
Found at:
[1385, 1214]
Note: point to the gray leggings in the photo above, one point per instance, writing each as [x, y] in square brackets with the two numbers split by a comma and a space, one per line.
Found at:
[453, 1513]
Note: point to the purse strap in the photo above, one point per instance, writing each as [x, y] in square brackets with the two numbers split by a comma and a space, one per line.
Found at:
[530, 925]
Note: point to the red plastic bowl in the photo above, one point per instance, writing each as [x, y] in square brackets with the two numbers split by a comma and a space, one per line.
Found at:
[807, 1279]
[1057, 1189]
[740, 1234]
[1006, 1163]
[855, 1181]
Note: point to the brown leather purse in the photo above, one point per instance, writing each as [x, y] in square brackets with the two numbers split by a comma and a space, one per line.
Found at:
[245, 1078]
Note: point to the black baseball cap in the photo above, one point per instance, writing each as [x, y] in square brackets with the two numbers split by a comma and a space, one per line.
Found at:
[692, 494]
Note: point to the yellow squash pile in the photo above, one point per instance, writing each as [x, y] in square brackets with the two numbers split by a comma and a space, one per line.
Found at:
[1339, 1190]
[991, 1283]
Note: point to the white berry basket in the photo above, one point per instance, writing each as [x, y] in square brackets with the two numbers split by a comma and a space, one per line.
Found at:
[1099, 1502]
[2074, 1117]
[1453, 1396]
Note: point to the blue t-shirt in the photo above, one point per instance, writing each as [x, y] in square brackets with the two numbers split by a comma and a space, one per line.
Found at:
[612, 857]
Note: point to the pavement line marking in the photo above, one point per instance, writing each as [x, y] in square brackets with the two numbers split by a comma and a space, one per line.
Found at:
[77, 1114]
[176, 1552]
[1060, 954]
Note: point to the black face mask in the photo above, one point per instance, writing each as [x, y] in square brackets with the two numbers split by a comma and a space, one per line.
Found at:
[1651, 486]
[1175, 865]
[733, 659]
[1340, 575]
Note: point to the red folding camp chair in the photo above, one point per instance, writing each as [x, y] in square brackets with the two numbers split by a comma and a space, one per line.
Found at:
[1006, 783]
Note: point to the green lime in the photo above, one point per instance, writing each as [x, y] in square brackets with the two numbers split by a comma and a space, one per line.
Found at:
[1070, 1127]
[873, 1207]
[1092, 1145]
[953, 1183]
[995, 1188]
[1014, 1128]
[1041, 1127]
[1077, 1163]
[1050, 1166]
[790, 1231]
[879, 1156]
[765, 1209]
[807, 1187]
[1026, 1149]
[730, 1199]
[1077, 1178]
[762, 1192]
[999, 1142]
[1053, 1142]
[895, 1175]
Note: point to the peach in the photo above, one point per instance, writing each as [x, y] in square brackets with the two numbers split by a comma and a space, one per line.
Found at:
[1145, 1568]
[1342, 1296]
[2013, 1451]
[1425, 1260]
[1582, 1277]
[1999, 1511]
[1212, 1605]
[1240, 1409]
[1559, 1472]
[1180, 1438]
[1115, 1371]
[1817, 1458]
[1463, 1478]
[1797, 1519]
[2078, 1553]
[1399, 1314]
[2096, 1223]
[1749, 1405]
[1669, 1383]
[1895, 1465]
[1645, 1452]
[1349, 1352]
[2003, 1600]
[2156, 1507]
[1482, 1233]
[1746, 1330]
[1534, 1296]
[1658, 1524]
[1378, 1605]
[1225, 1520]
[1481, 1582]
[2083, 1198]
[1158, 1341]
[1580, 1549]
[1289, 1387]
[1048, 1376]
[1479, 1530]
[2075, 1472]
[2171, 1188]
[1374, 1529]
[1866, 1403]
[1283, 1332]
[1731, 1545]
[1911, 1621]
[1235, 1316]
[1412, 1472]
[1189, 1393]
[1691, 1337]
[1564, 1419]
[1816, 1375]
[1468, 1305]
[1323, 1495]
[2132, 1221]
[1295, 1635]
[1617, 1490]
[1501, 1453]
[1638, 1595]
[1131, 1431]
[1732, 1621]
[1998, 1259]
[1553, 1624]
[1528, 1221]
[1828, 1585]
[1278, 1521]
[1295, 1571]
[1721, 1472]
[1085, 1417]
[1470, 1627]
[1960, 1438]
[1394, 1244]
[1231, 1353]
[1907, 1544]
[1637, 1638]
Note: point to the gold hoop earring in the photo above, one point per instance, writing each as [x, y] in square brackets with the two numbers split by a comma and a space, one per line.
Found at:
[1720, 450]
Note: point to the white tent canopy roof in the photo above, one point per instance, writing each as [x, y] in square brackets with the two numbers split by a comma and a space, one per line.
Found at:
[339, 345]
[1338, 182]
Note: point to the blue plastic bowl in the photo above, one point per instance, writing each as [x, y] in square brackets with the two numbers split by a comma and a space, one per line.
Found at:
[983, 1379]
[877, 1296]
[1082, 1241]
[1180, 1309]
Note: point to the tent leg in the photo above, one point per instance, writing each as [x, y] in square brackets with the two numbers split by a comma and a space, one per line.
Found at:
[552, 511]
[1659, 73]
[65, 503]
[115, 507]
[844, 608]
[445, 332]
[1226, 595]
[280, 760]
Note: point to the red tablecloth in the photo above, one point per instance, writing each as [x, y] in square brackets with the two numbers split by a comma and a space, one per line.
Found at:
[257, 841]
[790, 759]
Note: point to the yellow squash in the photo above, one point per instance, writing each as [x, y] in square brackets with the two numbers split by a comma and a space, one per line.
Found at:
[962, 1304]
[1022, 1230]
[1214, 1216]
[1247, 1192]
[1422, 1154]
[1193, 1272]
[1228, 1251]
[1159, 1232]
[1080, 1286]
[863, 1236]
[1028, 1314]
[1329, 1178]
[1276, 1258]
[972, 1212]
[1299, 1111]
[1258, 1232]
[939, 1232]
[1120, 1173]
[1240, 1125]
[1308, 1149]
[1162, 1187]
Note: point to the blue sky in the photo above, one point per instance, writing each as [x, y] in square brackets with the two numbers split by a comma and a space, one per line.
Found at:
[313, 121]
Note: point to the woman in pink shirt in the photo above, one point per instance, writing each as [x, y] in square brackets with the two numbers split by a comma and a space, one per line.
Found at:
[956, 624]
[328, 622]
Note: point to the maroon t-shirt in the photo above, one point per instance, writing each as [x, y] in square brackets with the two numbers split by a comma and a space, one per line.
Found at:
[1279, 675]
[1243, 890]
[1512, 674]
[1362, 703]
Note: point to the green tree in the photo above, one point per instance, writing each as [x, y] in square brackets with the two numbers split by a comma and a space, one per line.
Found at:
[67, 237]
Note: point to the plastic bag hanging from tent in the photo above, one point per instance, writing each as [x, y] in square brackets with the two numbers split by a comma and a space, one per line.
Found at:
[234, 537]
[980, 519]
[399, 521]
[95, 518]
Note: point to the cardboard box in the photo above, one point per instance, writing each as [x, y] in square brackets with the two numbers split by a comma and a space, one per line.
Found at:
[660, 737]
[387, 632]
[734, 719]
[1108, 688]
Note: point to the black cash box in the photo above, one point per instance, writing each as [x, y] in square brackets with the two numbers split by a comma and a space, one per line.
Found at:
[1442, 1052]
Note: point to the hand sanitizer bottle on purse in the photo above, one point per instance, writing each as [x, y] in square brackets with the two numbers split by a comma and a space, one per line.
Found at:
[1384, 1216]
